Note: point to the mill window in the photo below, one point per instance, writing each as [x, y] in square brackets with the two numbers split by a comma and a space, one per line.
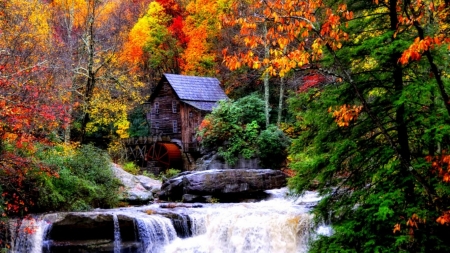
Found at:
[174, 106]
[156, 108]
[175, 126]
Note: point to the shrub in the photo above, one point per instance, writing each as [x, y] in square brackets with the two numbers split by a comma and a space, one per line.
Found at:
[131, 168]
[236, 129]
[171, 173]
[272, 147]
[85, 179]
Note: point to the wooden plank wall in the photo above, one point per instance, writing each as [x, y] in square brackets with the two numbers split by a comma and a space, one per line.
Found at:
[191, 119]
[164, 119]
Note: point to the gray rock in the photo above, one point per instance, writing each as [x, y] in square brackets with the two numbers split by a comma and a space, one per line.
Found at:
[213, 161]
[229, 185]
[136, 189]
[149, 183]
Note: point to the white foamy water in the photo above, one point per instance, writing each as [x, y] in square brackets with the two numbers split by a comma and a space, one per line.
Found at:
[28, 236]
[279, 224]
[275, 225]
[154, 233]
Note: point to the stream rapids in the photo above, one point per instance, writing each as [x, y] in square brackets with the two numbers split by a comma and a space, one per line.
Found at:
[279, 224]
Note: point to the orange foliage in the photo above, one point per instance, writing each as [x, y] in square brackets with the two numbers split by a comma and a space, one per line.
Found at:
[420, 14]
[30, 108]
[444, 219]
[411, 224]
[346, 114]
[290, 24]
[202, 27]
[413, 53]
[397, 228]
[441, 165]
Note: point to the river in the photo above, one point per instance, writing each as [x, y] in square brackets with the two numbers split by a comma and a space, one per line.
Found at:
[279, 224]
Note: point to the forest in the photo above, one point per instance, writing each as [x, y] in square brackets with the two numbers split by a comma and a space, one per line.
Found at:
[360, 89]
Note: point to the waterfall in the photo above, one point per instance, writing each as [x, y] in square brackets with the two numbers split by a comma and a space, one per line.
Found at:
[198, 223]
[28, 235]
[154, 232]
[247, 227]
[181, 225]
[117, 243]
[280, 224]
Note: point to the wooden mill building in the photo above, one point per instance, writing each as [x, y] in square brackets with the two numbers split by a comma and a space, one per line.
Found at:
[178, 105]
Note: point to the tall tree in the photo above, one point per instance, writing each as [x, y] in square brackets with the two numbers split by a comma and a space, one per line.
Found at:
[30, 111]
[90, 34]
[375, 141]
[202, 26]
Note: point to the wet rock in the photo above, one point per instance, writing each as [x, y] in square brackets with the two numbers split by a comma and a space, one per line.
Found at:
[176, 205]
[223, 185]
[81, 232]
[136, 189]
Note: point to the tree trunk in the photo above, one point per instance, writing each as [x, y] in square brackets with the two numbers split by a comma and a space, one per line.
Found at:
[280, 102]
[91, 74]
[73, 84]
[281, 98]
[266, 78]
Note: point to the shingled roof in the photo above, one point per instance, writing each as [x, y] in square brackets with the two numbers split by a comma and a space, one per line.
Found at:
[200, 92]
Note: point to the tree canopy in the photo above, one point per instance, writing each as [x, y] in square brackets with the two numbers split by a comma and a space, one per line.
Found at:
[366, 84]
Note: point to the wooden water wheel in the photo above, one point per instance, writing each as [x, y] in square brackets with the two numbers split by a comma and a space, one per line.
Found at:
[167, 155]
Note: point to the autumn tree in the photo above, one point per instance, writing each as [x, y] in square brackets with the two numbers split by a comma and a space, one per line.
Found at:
[89, 35]
[277, 39]
[375, 141]
[30, 110]
[202, 27]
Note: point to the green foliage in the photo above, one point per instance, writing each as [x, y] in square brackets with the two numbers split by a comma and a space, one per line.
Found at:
[163, 175]
[138, 123]
[131, 168]
[236, 129]
[171, 173]
[85, 179]
[381, 191]
[272, 147]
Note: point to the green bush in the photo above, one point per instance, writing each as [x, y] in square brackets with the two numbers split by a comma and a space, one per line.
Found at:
[85, 180]
[171, 173]
[236, 129]
[272, 147]
[131, 168]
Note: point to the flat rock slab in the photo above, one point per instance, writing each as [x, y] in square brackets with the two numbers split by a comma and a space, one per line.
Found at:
[221, 184]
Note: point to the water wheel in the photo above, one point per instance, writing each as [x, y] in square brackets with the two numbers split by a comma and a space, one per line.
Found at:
[166, 155]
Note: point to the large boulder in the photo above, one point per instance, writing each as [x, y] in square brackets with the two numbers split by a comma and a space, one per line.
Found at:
[136, 189]
[224, 185]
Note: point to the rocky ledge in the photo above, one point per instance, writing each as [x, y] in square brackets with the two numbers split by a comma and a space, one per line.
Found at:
[136, 189]
[221, 185]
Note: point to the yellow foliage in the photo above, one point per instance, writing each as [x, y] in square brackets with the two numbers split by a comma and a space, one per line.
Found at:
[77, 12]
[104, 111]
[122, 128]
[29, 22]
[345, 114]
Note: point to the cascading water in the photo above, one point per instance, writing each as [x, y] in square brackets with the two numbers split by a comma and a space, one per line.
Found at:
[154, 233]
[117, 244]
[267, 226]
[275, 225]
[28, 235]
